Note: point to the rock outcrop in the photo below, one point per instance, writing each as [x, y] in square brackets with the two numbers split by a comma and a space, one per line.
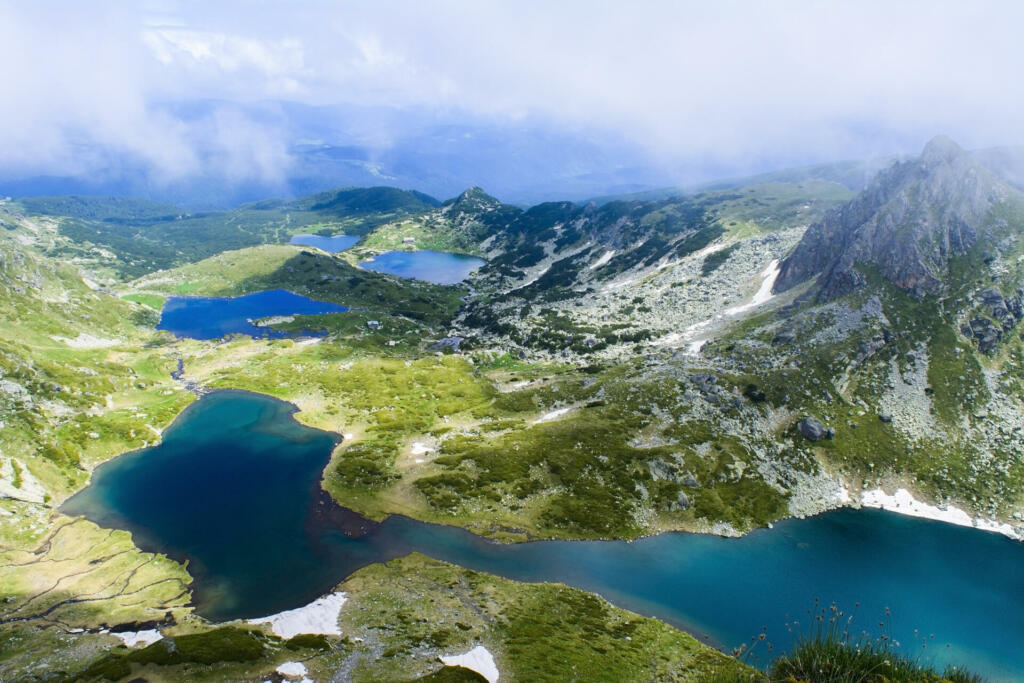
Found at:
[1004, 312]
[908, 223]
[813, 430]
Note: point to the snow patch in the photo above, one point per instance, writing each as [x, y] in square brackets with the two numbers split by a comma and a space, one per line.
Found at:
[764, 293]
[553, 415]
[478, 659]
[318, 617]
[699, 333]
[605, 258]
[694, 347]
[618, 285]
[133, 638]
[707, 251]
[293, 670]
[419, 448]
[843, 496]
[904, 503]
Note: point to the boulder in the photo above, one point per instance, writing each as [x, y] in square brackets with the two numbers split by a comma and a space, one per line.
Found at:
[813, 430]
[784, 337]
[991, 297]
[989, 341]
[659, 469]
[1016, 306]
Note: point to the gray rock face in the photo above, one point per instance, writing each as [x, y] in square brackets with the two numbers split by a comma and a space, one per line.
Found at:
[1005, 314]
[813, 430]
[784, 337]
[991, 297]
[907, 223]
[985, 332]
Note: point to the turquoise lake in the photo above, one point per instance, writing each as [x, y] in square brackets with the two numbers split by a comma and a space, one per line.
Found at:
[439, 267]
[234, 488]
[332, 244]
[209, 317]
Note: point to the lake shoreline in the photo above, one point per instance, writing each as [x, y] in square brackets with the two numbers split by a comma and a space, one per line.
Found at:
[697, 582]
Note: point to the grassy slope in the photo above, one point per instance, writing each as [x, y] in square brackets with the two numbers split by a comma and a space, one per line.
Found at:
[122, 584]
[401, 616]
[491, 469]
[133, 237]
[943, 464]
[67, 407]
[87, 378]
[773, 205]
[428, 232]
[535, 631]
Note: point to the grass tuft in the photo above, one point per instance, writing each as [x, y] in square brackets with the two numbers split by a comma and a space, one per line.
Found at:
[831, 651]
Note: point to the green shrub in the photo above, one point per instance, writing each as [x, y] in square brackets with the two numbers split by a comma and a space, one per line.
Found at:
[110, 668]
[308, 641]
[452, 674]
[220, 645]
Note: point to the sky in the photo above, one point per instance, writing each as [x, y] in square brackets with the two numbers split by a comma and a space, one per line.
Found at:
[684, 86]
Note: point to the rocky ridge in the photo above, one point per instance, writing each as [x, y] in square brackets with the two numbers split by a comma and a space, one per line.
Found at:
[908, 223]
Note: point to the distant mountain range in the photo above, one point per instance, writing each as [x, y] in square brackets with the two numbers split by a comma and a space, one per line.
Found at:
[284, 149]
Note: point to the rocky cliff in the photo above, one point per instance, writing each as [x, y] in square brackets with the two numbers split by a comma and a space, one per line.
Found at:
[908, 223]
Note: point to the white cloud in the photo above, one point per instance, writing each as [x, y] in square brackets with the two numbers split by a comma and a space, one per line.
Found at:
[276, 67]
[695, 83]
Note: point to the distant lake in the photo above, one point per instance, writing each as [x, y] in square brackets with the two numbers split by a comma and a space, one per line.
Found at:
[204, 317]
[439, 267]
[330, 244]
[234, 487]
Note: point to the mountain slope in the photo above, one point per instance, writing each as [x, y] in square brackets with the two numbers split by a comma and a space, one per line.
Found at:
[909, 223]
[130, 238]
[623, 370]
[905, 344]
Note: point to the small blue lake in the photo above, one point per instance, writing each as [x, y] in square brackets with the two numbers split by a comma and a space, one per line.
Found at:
[332, 244]
[234, 488]
[439, 267]
[205, 317]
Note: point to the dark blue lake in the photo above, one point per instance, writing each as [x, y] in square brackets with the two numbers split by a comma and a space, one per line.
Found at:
[234, 488]
[205, 317]
[439, 267]
[332, 244]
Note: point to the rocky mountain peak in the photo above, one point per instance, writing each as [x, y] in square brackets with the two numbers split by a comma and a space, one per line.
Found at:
[908, 223]
[472, 201]
[475, 194]
[941, 149]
